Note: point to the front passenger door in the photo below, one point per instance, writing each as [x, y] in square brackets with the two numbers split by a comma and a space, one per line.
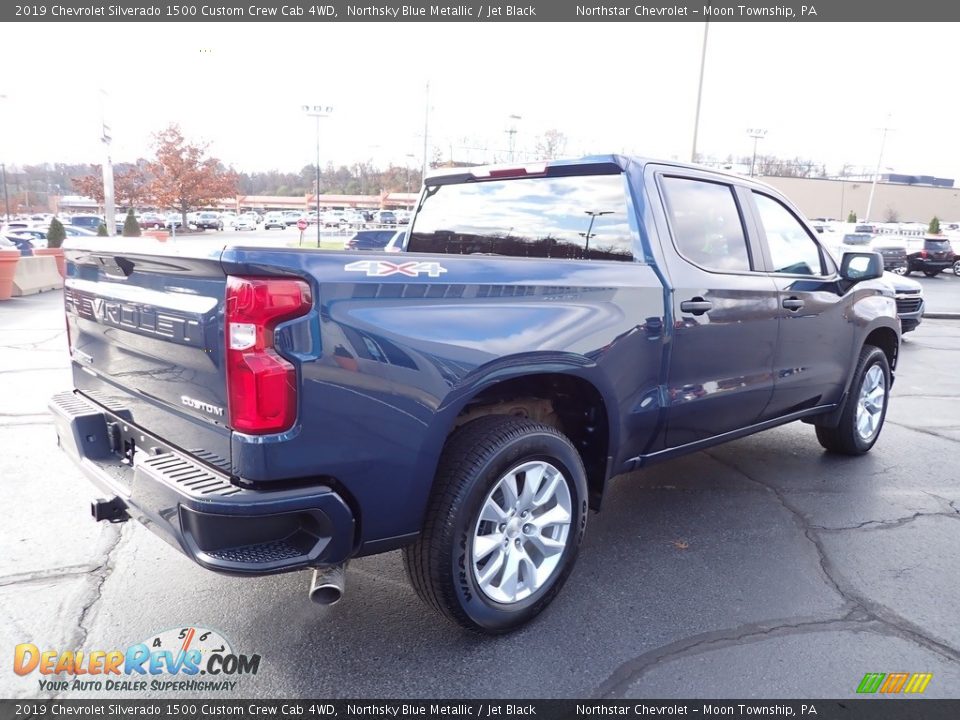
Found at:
[725, 313]
[816, 340]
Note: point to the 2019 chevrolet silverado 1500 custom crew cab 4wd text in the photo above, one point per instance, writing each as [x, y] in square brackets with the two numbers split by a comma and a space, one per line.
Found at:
[467, 400]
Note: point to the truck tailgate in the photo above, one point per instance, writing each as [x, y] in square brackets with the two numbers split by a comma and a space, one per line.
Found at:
[144, 326]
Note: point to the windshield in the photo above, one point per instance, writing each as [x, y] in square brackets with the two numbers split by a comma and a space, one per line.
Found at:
[581, 217]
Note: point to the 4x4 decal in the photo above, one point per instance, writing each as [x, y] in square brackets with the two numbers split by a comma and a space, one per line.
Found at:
[383, 268]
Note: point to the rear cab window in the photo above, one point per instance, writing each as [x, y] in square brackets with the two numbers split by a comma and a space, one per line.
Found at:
[580, 217]
[705, 224]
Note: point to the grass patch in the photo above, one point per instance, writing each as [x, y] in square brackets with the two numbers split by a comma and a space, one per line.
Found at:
[336, 244]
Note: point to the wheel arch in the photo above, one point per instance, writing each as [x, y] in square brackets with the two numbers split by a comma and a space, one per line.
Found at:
[888, 340]
[567, 396]
[881, 335]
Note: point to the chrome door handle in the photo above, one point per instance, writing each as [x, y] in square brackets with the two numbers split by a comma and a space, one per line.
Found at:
[696, 306]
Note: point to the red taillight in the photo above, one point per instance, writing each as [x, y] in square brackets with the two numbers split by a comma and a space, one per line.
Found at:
[261, 385]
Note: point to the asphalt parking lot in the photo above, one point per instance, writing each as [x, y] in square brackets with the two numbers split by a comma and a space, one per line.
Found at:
[941, 293]
[761, 568]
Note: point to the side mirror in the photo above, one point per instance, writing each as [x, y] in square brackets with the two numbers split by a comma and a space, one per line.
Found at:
[857, 266]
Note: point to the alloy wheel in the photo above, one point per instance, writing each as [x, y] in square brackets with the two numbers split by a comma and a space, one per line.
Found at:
[873, 391]
[522, 531]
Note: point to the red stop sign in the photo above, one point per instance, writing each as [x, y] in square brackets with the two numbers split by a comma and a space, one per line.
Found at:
[301, 224]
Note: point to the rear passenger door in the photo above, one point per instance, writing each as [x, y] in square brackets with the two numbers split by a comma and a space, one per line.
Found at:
[724, 306]
[816, 340]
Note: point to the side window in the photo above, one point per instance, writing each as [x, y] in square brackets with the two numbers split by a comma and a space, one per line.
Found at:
[792, 250]
[706, 225]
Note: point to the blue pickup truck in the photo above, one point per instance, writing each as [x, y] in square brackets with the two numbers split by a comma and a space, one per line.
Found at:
[546, 328]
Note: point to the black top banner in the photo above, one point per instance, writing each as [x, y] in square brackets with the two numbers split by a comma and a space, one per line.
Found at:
[476, 11]
[856, 709]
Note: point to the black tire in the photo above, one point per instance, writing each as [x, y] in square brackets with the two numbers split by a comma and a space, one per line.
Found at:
[844, 438]
[956, 268]
[475, 458]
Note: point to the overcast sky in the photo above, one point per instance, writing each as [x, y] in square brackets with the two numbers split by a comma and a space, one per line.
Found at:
[822, 91]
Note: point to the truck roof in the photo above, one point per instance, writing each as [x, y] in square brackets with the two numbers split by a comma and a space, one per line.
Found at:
[598, 164]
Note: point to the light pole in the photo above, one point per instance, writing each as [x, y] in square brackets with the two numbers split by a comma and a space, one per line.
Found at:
[6, 198]
[756, 134]
[512, 132]
[426, 128]
[406, 161]
[873, 185]
[594, 214]
[3, 167]
[696, 115]
[106, 136]
[317, 112]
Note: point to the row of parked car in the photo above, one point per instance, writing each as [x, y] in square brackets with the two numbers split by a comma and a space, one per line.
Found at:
[29, 234]
[930, 255]
[902, 255]
[276, 219]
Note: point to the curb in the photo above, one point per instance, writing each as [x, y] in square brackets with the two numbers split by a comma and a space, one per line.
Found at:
[941, 315]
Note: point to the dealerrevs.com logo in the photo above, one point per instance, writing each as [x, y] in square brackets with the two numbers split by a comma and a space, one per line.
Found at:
[182, 659]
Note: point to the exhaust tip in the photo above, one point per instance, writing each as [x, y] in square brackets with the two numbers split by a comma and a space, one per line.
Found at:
[326, 594]
[326, 586]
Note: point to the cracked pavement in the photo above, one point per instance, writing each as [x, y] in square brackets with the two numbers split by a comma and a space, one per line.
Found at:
[760, 568]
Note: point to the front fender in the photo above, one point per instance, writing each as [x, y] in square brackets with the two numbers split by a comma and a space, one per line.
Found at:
[873, 311]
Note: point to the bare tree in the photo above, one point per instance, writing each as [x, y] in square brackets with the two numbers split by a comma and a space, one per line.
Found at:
[551, 145]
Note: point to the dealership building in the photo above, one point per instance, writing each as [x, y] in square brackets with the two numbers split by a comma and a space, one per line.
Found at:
[898, 198]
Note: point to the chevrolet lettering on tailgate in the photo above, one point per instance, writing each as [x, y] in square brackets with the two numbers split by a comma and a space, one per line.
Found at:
[129, 316]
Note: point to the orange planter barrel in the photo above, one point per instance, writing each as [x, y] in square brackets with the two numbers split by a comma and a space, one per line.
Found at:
[8, 266]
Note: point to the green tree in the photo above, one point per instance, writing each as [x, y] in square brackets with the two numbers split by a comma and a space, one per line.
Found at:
[56, 234]
[131, 228]
[852, 217]
[934, 228]
[102, 230]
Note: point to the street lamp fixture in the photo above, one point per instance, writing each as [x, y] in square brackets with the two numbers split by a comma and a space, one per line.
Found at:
[317, 112]
[594, 214]
[756, 134]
